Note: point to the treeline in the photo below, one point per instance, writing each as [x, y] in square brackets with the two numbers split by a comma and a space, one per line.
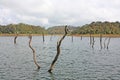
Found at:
[21, 29]
[60, 29]
[92, 28]
[98, 28]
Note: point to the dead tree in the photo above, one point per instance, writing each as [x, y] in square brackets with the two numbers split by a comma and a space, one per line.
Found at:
[72, 38]
[34, 54]
[104, 42]
[58, 50]
[101, 41]
[93, 41]
[15, 38]
[81, 37]
[43, 36]
[90, 39]
[108, 42]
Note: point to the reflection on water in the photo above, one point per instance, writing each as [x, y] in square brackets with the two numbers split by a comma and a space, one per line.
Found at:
[77, 61]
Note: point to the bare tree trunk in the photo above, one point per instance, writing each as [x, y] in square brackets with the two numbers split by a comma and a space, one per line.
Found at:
[93, 41]
[104, 42]
[101, 41]
[43, 37]
[108, 42]
[34, 54]
[90, 39]
[58, 50]
[81, 37]
[15, 38]
[72, 38]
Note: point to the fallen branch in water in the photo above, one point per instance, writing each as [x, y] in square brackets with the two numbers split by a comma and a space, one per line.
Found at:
[58, 50]
[34, 54]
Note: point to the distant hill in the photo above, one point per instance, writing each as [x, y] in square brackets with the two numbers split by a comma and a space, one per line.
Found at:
[99, 27]
[21, 28]
[59, 29]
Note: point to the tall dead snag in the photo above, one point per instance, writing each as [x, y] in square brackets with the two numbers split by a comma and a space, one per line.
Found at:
[108, 42]
[34, 54]
[81, 37]
[58, 50]
[93, 41]
[43, 36]
[101, 41]
[15, 38]
[90, 39]
[72, 38]
[104, 42]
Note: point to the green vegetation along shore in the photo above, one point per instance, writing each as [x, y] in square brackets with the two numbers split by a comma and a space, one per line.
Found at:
[96, 28]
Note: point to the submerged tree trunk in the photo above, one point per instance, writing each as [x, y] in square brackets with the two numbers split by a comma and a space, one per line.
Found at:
[93, 41]
[34, 54]
[15, 38]
[43, 37]
[90, 39]
[58, 50]
[108, 42]
[101, 41]
[72, 38]
[81, 37]
[104, 42]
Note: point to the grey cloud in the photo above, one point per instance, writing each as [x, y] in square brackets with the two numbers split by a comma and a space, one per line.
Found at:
[55, 12]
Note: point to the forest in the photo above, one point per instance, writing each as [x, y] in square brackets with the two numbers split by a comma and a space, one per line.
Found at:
[21, 28]
[92, 28]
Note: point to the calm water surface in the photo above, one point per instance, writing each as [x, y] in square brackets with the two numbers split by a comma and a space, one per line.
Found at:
[77, 61]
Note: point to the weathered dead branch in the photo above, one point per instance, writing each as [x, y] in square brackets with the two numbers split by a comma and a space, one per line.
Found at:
[34, 54]
[58, 50]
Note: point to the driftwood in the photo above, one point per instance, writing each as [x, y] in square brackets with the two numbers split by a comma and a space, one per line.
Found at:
[15, 39]
[58, 50]
[34, 54]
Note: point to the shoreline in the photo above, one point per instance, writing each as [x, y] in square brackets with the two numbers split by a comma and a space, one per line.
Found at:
[77, 35]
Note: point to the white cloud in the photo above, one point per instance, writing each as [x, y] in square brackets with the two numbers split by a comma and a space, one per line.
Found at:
[58, 12]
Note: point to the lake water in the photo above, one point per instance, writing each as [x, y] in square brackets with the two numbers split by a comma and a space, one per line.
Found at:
[77, 61]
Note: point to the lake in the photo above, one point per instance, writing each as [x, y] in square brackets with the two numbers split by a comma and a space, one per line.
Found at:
[77, 61]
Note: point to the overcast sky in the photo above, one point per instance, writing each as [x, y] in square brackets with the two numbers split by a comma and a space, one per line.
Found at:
[58, 12]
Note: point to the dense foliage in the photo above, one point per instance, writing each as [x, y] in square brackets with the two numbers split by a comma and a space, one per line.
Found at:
[60, 29]
[99, 27]
[21, 29]
[93, 28]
